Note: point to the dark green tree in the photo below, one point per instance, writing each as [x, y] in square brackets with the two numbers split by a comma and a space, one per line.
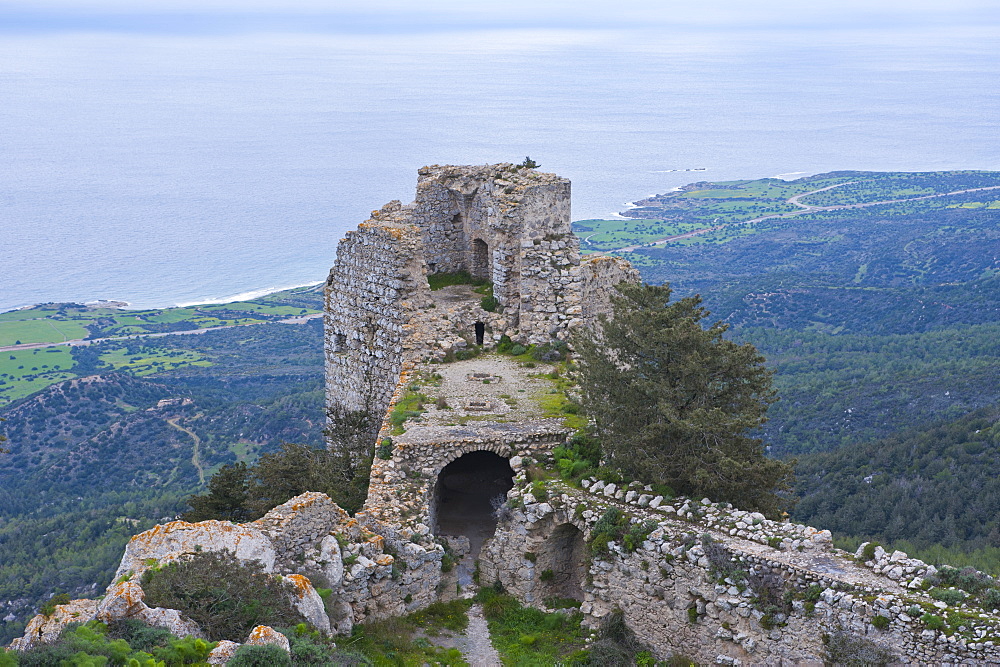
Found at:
[228, 493]
[675, 402]
[530, 164]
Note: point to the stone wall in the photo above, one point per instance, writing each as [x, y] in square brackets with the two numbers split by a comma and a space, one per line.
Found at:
[372, 293]
[600, 275]
[697, 584]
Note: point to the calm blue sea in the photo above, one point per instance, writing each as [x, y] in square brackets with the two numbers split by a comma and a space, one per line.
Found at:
[172, 167]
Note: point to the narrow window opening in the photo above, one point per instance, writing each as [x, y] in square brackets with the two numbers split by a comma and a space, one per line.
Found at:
[339, 342]
[480, 332]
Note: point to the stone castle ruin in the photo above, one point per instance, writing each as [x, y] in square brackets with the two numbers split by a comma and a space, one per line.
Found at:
[502, 224]
[461, 436]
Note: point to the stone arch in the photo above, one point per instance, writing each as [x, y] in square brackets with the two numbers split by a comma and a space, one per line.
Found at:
[481, 262]
[562, 561]
[464, 488]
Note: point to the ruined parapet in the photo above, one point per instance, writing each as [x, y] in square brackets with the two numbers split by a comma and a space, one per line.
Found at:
[723, 586]
[599, 276]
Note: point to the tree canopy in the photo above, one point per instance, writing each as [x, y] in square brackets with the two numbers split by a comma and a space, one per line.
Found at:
[675, 402]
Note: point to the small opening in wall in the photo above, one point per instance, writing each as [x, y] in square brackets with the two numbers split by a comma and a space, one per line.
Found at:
[481, 260]
[339, 342]
[480, 332]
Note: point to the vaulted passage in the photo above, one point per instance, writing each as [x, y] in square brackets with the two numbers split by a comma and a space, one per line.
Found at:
[562, 563]
[463, 495]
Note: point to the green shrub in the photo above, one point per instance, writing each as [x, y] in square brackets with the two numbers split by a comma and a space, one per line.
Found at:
[991, 599]
[538, 491]
[447, 562]
[550, 352]
[517, 349]
[869, 551]
[843, 648]
[49, 607]
[949, 596]
[774, 542]
[692, 614]
[385, 449]
[531, 556]
[880, 622]
[260, 656]
[933, 622]
[489, 303]
[547, 575]
[226, 597]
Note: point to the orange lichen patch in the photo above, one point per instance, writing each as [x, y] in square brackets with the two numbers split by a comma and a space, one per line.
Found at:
[260, 634]
[377, 540]
[301, 583]
[385, 559]
[165, 528]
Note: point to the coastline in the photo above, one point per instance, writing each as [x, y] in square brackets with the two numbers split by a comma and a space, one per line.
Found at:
[121, 304]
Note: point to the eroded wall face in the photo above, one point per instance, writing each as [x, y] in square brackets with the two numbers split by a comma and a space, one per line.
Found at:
[372, 293]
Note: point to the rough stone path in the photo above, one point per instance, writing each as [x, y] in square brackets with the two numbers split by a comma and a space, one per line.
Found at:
[475, 644]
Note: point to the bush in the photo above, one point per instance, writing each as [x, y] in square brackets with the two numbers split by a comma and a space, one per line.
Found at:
[260, 656]
[843, 648]
[869, 551]
[880, 622]
[550, 352]
[50, 605]
[948, 595]
[227, 598]
[385, 449]
[489, 303]
[517, 349]
[933, 622]
[991, 599]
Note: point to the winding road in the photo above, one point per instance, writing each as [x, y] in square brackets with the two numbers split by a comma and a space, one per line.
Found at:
[806, 208]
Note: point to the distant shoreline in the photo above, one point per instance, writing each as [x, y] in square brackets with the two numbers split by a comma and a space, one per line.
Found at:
[113, 303]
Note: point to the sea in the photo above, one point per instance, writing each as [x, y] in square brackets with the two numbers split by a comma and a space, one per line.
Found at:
[189, 161]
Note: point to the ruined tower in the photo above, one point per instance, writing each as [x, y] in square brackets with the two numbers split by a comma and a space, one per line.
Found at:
[503, 224]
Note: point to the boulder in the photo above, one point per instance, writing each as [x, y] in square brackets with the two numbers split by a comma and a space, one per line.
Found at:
[170, 541]
[332, 560]
[309, 603]
[46, 629]
[264, 635]
[223, 652]
[126, 600]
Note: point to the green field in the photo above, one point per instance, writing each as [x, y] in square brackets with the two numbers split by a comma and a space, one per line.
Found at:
[151, 359]
[24, 372]
[726, 207]
[600, 235]
[59, 322]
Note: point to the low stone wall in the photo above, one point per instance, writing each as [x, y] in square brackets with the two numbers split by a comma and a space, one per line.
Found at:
[699, 582]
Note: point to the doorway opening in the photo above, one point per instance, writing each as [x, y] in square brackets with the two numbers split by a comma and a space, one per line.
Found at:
[480, 332]
[481, 260]
[464, 494]
[565, 556]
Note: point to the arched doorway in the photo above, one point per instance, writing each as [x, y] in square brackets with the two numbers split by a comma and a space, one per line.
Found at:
[464, 493]
[562, 563]
[481, 267]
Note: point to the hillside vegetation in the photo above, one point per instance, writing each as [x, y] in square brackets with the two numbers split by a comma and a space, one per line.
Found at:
[104, 455]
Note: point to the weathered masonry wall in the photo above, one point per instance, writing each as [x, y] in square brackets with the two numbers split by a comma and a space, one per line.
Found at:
[673, 596]
[372, 293]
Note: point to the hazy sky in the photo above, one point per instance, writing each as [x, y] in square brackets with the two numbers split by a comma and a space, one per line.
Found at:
[443, 15]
